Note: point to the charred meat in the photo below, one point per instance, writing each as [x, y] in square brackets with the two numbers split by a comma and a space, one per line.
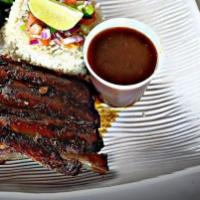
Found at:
[49, 118]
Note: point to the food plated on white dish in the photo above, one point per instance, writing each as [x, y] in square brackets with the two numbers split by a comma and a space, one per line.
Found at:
[156, 135]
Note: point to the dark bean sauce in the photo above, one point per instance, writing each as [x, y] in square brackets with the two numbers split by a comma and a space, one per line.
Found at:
[122, 56]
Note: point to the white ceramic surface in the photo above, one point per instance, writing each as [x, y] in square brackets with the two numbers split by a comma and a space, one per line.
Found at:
[157, 136]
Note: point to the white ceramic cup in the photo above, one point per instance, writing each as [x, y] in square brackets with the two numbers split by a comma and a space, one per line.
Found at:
[114, 94]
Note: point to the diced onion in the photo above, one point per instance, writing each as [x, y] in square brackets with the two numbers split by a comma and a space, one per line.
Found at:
[57, 41]
[87, 2]
[72, 40]
[58, 36]
[46, 34]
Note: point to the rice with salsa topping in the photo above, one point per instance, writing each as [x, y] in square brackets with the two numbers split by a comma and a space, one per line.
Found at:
[63, 58]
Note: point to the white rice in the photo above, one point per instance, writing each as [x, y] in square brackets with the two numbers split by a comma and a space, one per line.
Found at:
[69, 61]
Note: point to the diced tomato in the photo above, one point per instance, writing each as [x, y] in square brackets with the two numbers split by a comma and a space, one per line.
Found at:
[89, 21]
[70, 2]
[45, 42]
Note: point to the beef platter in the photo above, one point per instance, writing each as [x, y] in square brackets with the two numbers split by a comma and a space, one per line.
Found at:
[49, 118]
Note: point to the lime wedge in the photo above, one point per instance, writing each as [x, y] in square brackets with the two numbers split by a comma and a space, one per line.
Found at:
[55, 14]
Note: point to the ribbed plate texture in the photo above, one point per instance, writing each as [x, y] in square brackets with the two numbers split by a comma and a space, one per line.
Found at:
[158, 135]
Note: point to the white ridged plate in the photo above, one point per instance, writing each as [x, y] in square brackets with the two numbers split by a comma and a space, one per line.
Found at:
[158, 135]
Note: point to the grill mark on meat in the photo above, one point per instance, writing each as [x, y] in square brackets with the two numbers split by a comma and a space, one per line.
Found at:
[33, 115]
[49, 118]
[16, 101]
[72, 87]
[55, 157]
[51, 92]
[53, 107]
[58, 99]
[63, 99]
[44, 153]
[43, 129]
[65, 129]
[71, 146]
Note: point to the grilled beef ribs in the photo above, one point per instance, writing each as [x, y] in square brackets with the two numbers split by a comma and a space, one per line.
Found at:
[49, 118]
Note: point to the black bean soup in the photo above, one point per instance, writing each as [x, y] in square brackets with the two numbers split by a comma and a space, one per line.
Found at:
[122, 56]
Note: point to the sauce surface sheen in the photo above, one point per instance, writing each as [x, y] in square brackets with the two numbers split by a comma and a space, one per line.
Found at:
[122, 56]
